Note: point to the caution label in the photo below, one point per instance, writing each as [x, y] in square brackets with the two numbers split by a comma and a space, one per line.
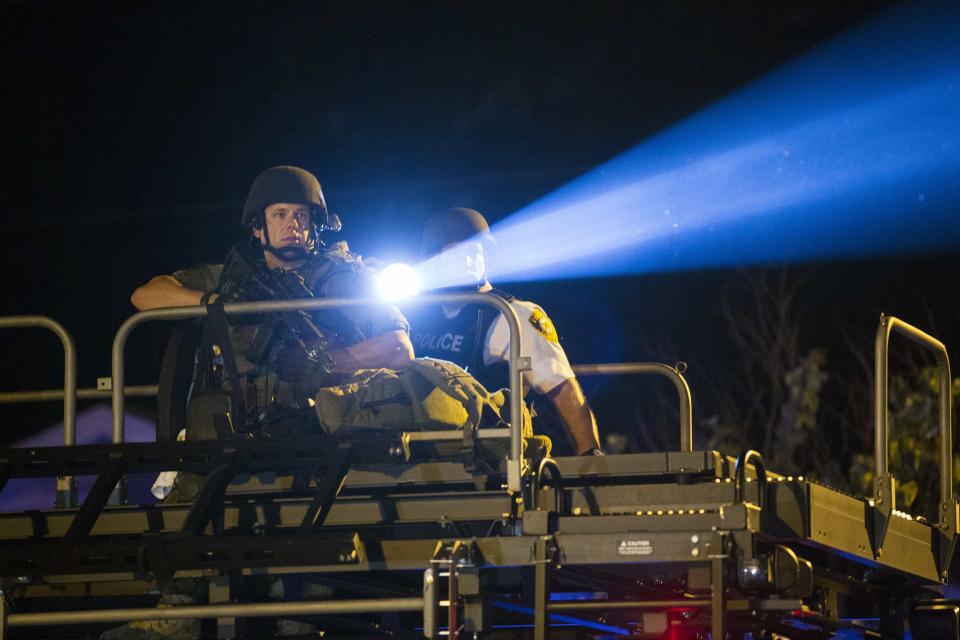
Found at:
[634, 548]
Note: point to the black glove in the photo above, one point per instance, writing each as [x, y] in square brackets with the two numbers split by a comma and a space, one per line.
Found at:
[294, 364]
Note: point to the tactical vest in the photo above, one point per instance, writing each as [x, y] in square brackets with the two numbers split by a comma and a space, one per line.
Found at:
[261, 388]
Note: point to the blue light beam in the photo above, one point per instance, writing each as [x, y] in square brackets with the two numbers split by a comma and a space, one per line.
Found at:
[561, 619]
[852, 150]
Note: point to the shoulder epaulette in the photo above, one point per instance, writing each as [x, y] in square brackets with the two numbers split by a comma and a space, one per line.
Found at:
[509, 297]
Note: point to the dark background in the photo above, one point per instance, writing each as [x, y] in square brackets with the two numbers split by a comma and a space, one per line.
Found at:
[131, 131]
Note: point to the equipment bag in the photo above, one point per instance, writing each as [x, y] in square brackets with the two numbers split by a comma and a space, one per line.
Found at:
[215, 412]
[429, 395]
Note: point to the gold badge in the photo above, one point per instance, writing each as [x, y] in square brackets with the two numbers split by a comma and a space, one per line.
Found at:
[543, 324]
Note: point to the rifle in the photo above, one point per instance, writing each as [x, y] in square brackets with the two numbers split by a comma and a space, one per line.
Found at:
[246, 279]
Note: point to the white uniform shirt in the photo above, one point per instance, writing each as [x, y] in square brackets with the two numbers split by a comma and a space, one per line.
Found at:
[549, 363]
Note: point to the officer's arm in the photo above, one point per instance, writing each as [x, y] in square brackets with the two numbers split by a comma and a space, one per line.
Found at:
[390, 350]
[164, 291]
[572, 406]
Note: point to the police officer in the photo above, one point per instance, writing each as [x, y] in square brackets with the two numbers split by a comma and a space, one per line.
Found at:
[477, 337]
[284, 213]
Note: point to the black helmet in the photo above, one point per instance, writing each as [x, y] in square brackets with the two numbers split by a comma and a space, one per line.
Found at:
[453, 226]
[287, 184]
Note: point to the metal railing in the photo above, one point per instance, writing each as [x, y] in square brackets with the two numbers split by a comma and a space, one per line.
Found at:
[83, 393]
[674, 374]
[889, 325]
[69, 391]
[248, 610]
[884, 491]
[516, 364]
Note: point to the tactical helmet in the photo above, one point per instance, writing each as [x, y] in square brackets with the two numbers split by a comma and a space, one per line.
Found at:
[453, 226]
[287, 184]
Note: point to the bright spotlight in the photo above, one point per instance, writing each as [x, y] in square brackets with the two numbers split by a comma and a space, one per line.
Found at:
[399, 281]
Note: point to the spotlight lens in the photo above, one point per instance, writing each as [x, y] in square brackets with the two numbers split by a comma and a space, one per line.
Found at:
[399, 281]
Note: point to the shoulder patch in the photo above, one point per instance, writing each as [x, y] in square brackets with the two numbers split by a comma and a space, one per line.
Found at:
[544, 325]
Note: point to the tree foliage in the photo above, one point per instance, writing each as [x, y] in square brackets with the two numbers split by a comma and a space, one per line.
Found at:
[913, 444]
[773, 397]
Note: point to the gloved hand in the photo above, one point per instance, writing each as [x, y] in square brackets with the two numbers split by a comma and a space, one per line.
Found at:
[294, 364]
[247, 290]
[592, 452]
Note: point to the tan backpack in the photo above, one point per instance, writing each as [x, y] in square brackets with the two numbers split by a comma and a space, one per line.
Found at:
[430, 395]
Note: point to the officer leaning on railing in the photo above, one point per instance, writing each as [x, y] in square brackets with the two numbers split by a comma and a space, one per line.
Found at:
[285, 212]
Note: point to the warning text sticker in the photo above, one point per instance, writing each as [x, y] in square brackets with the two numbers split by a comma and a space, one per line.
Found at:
[634, 548]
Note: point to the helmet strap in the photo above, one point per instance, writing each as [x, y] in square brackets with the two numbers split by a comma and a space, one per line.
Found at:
[286, 254]
[289, 254]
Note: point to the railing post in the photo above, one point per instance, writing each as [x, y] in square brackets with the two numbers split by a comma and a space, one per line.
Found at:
[66, 486]
[884, 487]
[69, 367]
[674, 374]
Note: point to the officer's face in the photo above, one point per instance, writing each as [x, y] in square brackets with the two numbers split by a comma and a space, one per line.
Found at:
[466, 260]
[288, 225]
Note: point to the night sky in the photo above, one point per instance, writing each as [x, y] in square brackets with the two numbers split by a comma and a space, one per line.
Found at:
[131, 132]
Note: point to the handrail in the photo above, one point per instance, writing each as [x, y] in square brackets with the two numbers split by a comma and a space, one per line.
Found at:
[740, 476]
[69, 367]
[888, 325]
[673, 373]
[884, 493]
[85, 393]
[180, 313]
[225, 610]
